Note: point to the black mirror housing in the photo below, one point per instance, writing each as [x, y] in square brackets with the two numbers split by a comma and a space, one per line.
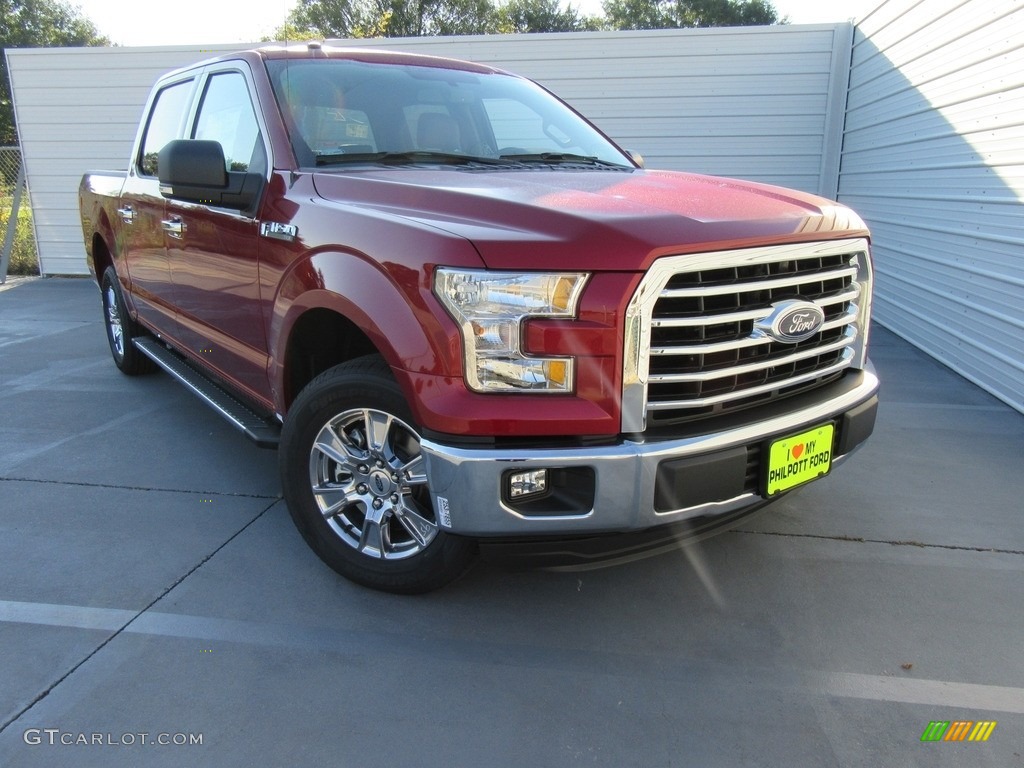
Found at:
[195, 170]
[192, 162]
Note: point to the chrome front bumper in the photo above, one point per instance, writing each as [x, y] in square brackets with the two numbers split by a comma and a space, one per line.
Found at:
[467, 483]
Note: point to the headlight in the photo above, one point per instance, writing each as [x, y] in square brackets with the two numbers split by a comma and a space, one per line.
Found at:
[490, 308]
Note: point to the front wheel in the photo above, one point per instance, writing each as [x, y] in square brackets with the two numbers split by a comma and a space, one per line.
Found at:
[356, 484]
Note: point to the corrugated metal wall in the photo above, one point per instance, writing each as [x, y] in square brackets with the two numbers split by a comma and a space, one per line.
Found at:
[933, 159]
[762, 103]
[78, 110]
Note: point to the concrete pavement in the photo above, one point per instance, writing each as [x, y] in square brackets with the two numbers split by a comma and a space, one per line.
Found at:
[153, 589]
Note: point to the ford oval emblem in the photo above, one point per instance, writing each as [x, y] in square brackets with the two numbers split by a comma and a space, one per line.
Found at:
[791, 321]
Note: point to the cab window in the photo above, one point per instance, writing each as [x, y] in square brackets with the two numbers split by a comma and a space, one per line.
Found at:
[164, 124]
[226, 115]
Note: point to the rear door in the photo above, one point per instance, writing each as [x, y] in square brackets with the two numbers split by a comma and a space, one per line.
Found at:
[141, 209]
[212, 250]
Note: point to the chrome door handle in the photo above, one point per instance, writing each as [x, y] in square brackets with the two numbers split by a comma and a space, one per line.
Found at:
[173, 227]
[127, 214]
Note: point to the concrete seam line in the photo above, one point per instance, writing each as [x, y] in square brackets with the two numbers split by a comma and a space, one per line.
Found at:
[112, 615]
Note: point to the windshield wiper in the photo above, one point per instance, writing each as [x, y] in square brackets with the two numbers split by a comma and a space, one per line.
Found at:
[558, 158]
[412, 157]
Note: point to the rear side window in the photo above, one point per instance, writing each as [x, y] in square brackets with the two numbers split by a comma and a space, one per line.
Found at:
[164, 124]
[226, 115]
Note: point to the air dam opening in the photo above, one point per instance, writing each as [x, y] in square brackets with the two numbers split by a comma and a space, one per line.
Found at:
[690, 482]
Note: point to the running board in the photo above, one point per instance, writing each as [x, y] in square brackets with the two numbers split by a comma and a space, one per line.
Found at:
[265, 432]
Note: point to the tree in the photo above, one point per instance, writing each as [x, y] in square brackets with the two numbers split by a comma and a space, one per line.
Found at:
[464, 17]
[672, 14]
[541, 16]
[37, 24]
[323, 19]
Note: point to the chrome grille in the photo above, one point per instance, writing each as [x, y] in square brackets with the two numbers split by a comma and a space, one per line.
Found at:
[692, 349]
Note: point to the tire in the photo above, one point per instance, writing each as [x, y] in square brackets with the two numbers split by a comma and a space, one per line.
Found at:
[362, 503]
[121, 329]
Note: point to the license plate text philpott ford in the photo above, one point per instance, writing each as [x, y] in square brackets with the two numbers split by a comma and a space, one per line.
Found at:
[796, 460]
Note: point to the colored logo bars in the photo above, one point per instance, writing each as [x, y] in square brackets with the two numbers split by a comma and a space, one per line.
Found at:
[958, 730]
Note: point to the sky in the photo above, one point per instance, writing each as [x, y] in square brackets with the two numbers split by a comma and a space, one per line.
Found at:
[199, 22]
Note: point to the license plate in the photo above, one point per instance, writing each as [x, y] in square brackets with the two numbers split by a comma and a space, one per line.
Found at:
[796, 460]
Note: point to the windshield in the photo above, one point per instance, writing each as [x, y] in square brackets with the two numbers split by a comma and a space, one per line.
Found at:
[341, 112]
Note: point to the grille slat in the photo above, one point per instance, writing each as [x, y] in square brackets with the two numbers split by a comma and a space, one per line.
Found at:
[843, 297]
[763, 285]
[701, 354]
[849, 316]
[738, 370]
[655, 405]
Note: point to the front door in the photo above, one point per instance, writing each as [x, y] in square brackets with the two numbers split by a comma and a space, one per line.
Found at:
[212, 250]
[141, 211]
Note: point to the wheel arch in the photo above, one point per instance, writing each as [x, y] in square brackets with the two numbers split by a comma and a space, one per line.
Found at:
[100, 256]
[334, 307]
[320, 339]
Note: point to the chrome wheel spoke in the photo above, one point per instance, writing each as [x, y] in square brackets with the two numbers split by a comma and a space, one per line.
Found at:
[417, 526]
[371, 539]
[378, 430]
[334, 499]
[336, 448]
[414, 471]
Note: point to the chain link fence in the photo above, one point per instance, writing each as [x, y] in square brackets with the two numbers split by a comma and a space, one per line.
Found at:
[18, 255]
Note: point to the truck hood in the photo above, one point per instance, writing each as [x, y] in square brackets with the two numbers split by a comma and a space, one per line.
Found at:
[591, 219]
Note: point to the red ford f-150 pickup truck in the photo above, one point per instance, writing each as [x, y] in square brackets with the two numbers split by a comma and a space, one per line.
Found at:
[461, 312]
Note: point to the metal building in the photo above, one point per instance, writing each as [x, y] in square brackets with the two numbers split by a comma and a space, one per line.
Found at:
[933, 159]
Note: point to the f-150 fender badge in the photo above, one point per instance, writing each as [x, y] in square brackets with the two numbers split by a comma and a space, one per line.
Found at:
[279, 231]
[790, 321]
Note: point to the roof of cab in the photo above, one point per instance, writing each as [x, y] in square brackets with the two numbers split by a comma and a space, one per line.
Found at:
[313, 50]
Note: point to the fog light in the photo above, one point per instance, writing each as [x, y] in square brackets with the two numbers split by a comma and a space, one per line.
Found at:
[528, 483]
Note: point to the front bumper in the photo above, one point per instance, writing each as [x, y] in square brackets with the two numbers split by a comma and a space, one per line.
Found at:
[632, 484]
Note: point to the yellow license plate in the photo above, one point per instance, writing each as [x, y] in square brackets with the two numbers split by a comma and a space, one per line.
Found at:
[796, 460]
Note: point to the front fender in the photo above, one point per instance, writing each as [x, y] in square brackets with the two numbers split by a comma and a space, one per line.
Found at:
[390, 303]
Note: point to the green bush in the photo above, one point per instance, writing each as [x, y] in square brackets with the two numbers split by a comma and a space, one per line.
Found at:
[23, 255]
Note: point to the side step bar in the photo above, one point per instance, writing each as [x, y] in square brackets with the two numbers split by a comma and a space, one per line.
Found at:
[265, 432]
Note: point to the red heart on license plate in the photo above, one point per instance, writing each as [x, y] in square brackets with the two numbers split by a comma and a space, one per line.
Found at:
[798, 451]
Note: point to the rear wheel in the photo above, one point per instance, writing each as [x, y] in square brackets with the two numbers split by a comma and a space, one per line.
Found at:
[356, 484]
[121, 329]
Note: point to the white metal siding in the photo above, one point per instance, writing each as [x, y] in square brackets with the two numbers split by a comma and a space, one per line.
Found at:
[760, 103]
[78, 110]
[933, 159]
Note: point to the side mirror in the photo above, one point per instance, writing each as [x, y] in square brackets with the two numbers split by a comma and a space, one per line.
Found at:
[195, 170]
[636, 157]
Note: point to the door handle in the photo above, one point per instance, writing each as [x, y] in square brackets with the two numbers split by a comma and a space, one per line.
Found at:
[127, 214]
[173, 227]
